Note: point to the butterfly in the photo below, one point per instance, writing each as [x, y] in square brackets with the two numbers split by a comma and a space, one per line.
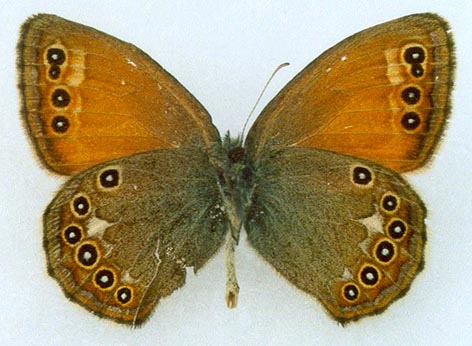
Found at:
[316, 184]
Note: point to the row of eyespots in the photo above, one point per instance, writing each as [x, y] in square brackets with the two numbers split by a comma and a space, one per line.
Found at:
[384, 251]
[87, 253]
[396, 228]
[60, 97]
[104, 278]
[369, 276]
[389, 202]
[107, 179]
[415, 56]
[55, 58]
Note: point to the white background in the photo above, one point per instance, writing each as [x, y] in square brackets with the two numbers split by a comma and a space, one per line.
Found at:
[223, 53]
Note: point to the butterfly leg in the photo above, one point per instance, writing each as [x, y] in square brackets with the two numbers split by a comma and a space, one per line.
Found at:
[232, 287]
[232, 239]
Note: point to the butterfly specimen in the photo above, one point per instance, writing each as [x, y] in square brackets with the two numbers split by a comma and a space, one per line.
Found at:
[316, 183]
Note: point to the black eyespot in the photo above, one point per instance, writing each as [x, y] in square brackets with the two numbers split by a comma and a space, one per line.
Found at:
[361, 175]
[72, 234]
[60, 98]
[124, 295]
[414, 55]
[81, 205]
[396, 229]
[56, 56]
[411, 121]
[87, 255]
[369, 275]
[389, 202]
[411, 95]
[104, 278]
[54, 72]
[351, 292]
[60, 124]
[385, 251]
[417, 70]
[110, 178]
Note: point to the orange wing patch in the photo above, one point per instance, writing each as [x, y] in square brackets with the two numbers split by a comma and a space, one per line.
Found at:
[367, 98]
[89, 98]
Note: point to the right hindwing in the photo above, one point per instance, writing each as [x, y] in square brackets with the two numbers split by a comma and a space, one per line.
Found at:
[345, 230]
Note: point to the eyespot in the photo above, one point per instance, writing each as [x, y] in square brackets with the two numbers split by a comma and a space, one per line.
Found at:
[417, 70]
[104, 278]
[411, 95]
[60, 124]
[124, 295]
[414, 55]
[56, 56]
[60, 98]
[87, 255]
[72, 234]
[385, 251]
[109, 178]
[80, 205]
[411, 121]
[362, 176]
[350, 292]
[390, 202]
[369, 276]
[54, 72]
[396, 229]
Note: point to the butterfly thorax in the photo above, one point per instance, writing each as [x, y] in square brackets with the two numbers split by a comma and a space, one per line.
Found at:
[238, 173]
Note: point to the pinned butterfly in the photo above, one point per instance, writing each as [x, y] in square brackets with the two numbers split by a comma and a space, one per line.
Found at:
[316, 183]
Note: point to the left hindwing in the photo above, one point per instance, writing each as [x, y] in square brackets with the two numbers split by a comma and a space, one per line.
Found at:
[119, 236]
[346, 231]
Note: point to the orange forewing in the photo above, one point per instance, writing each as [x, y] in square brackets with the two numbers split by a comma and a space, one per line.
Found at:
[89, 97]
[355, 99]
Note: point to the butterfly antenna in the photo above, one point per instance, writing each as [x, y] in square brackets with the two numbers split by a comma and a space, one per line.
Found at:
[261, 94]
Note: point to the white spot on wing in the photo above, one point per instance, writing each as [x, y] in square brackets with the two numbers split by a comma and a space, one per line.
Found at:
[96, 227]
[131, 62]
[127, 278]
[374, 225]
[394, 68]
[343, 58]
[77, 75]
[347, 275]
